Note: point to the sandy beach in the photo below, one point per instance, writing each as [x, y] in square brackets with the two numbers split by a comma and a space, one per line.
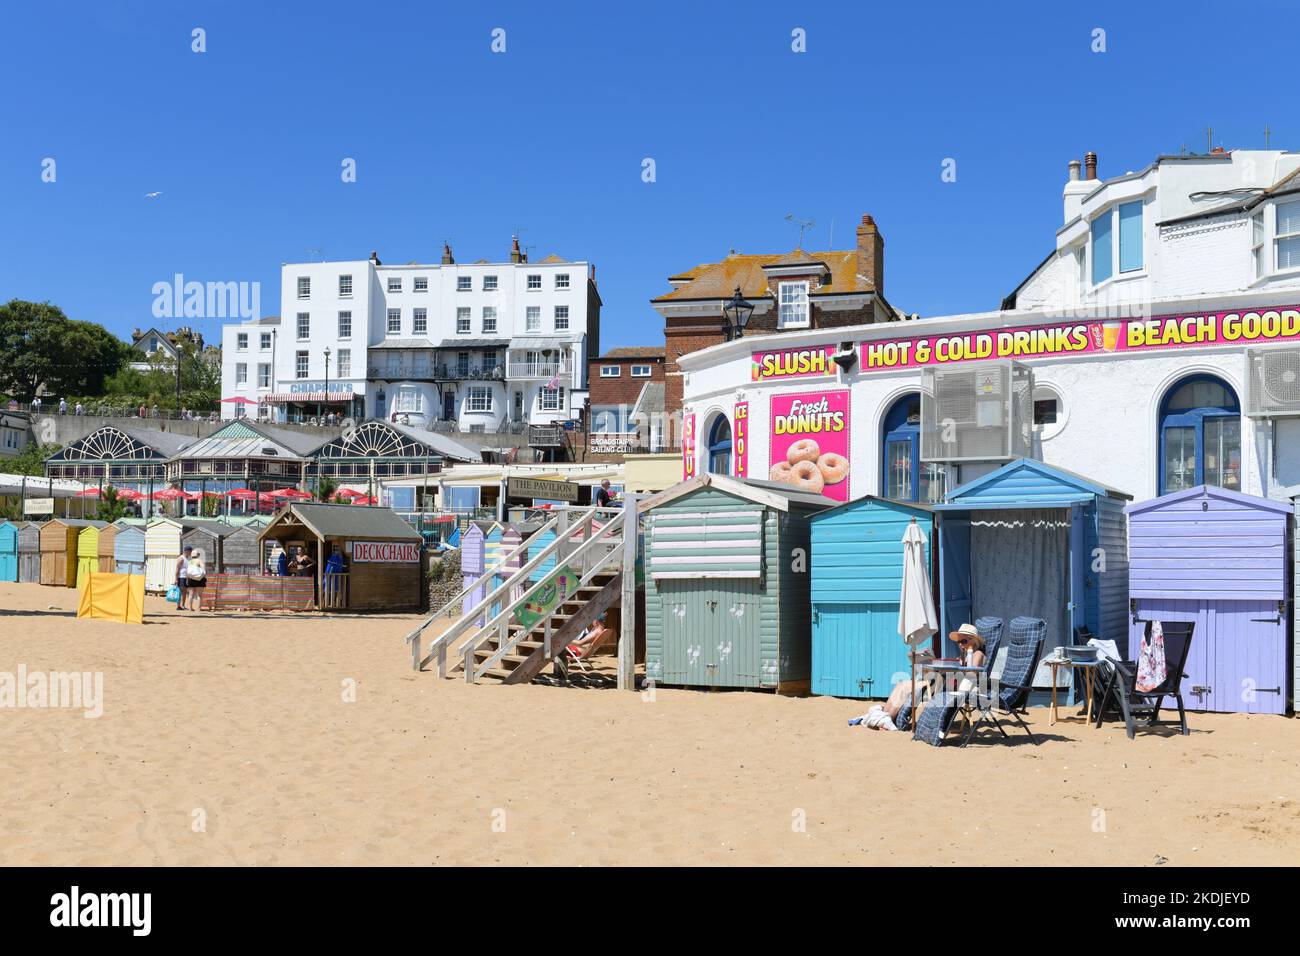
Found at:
[231, 739]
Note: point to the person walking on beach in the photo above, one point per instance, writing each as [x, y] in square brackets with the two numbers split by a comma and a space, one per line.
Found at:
[63, 406]
[182, 567]
[196, 575]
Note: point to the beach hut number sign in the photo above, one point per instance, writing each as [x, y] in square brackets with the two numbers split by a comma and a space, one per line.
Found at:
[385, 552]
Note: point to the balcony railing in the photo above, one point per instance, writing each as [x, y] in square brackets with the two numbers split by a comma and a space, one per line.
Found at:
[437, 373]
[537, 369]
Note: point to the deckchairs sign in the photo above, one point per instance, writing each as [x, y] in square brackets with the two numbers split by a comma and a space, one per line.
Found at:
[385, 552]
[1102, 336]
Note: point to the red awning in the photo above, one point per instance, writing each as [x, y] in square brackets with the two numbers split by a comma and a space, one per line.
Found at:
[280, 398]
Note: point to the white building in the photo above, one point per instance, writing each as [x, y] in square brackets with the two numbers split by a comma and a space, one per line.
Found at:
[1157, 347]
[479, 346]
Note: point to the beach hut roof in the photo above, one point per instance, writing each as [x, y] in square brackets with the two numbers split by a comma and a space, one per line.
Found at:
[770, 494]
[1213, 491]
[918, 508]
[1026, 483]
[345, 521]
[79, 522]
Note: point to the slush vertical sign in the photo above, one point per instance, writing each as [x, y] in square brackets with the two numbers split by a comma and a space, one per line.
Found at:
[688, 446]
[740, 439]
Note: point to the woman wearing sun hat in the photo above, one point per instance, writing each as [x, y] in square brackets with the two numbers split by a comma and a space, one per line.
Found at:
[882, 716]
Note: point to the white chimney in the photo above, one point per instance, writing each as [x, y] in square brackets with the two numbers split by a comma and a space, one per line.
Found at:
[1075, 189]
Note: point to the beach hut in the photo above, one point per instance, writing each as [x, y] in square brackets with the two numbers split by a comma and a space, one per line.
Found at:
[382, 554]
[128, 550]
[8, 551]
[207, 536]
[241, 551]
[59, 550]
[857, 575]
[88, 551]
[1031, 539]
[727, 605]
[472, 550]
[492, 549]
[162, 546]
[104, 560]
[1221, 559]
[29, 553]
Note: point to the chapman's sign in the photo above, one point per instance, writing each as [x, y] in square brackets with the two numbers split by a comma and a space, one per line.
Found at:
[385, 552]
[1100, 337]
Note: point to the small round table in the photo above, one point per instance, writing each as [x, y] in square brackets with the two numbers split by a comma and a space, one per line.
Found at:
[1089, 668]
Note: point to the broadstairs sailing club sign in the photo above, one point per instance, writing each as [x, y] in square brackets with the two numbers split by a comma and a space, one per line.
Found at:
[385, 552]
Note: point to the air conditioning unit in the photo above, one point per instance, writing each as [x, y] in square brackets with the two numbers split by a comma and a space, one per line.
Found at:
[977, 412]
[1273, 382]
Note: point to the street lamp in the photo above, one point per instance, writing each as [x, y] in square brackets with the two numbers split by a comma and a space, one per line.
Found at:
[327, 384]
[737, 311]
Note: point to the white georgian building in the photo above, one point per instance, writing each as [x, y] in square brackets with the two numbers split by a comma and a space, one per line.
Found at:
[1156, 347]
[475, 347]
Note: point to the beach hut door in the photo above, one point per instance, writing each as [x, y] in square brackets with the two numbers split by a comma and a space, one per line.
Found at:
[1080, 560]
[954, 575]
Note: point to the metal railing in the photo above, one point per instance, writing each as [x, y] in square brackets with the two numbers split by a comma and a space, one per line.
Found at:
[537, 369]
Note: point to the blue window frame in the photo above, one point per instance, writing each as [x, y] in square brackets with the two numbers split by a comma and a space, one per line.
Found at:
[720, 446]
[1101, 248]
[903, 476]
[1200, 435]
[1130, 237]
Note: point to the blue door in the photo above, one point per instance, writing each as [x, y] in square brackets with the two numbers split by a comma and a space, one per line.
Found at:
[954, 576]
[856, 650]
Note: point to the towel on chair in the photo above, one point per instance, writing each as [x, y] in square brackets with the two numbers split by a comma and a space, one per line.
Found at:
[1152, 669]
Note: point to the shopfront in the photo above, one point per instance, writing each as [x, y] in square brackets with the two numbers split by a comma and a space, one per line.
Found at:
[1203, 392]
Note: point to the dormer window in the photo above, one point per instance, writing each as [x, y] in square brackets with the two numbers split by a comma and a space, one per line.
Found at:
[1286, 237]
[793, 305]
[1108, 256]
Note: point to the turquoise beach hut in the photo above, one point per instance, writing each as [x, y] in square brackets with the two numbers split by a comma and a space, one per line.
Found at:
[857, 575]
[1033, 539]
[8, 551]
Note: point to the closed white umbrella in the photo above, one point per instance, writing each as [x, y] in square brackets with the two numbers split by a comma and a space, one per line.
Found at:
[917, 621]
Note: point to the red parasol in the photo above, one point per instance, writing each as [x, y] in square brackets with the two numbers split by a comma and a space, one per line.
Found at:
[288, 493]
[127, 494]
[88, 493]
[169, 494]
[364, 500]
[349, 493]
[241, 494]
[239, 400]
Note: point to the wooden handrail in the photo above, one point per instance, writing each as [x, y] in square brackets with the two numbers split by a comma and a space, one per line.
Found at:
[603, 535]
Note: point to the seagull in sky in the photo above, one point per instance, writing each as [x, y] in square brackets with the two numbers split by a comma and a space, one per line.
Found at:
[153, 195]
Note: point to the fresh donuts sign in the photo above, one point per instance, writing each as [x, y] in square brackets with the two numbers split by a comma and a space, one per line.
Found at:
[808, 442]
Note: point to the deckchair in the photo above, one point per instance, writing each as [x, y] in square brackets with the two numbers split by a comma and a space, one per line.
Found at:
[569, 656]
[1009, 694]
[934, 726]
[1120, 689]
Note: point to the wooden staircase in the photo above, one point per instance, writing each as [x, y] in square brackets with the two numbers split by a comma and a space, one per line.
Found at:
[490, 640]
[528, 655]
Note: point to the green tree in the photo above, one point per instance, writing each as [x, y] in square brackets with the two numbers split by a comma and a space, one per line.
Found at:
[31, 461]
[42, 347]
[326, 488]
[110, 506]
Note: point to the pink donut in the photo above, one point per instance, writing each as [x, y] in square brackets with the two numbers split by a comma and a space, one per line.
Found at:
[805, 449]
[806, 476]
[834, 468]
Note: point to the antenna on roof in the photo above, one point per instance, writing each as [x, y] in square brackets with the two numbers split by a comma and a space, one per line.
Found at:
[315, 252]
[1209, 139]
[804, 225]
[1267, 132]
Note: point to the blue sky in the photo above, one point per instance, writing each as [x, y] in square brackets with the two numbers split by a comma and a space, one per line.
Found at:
[451, 140]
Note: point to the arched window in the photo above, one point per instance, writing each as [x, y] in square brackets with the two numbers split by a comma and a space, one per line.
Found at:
[1200, 435]
[905, 477]
[720, 446]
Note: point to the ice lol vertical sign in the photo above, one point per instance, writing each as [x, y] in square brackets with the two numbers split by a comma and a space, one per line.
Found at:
[740, 439]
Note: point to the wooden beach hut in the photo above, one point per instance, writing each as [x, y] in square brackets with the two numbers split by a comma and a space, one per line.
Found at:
[726, 606]
[857, 575]
[104, 560]
[1221, 559]
[162, 546]
[1022, 540]
[88, 551]
[59, 550]
[241, 551]
[29, 553]
[8, 551]
[128, 550]
[382, 554]
[209, 537]
[473, 548]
